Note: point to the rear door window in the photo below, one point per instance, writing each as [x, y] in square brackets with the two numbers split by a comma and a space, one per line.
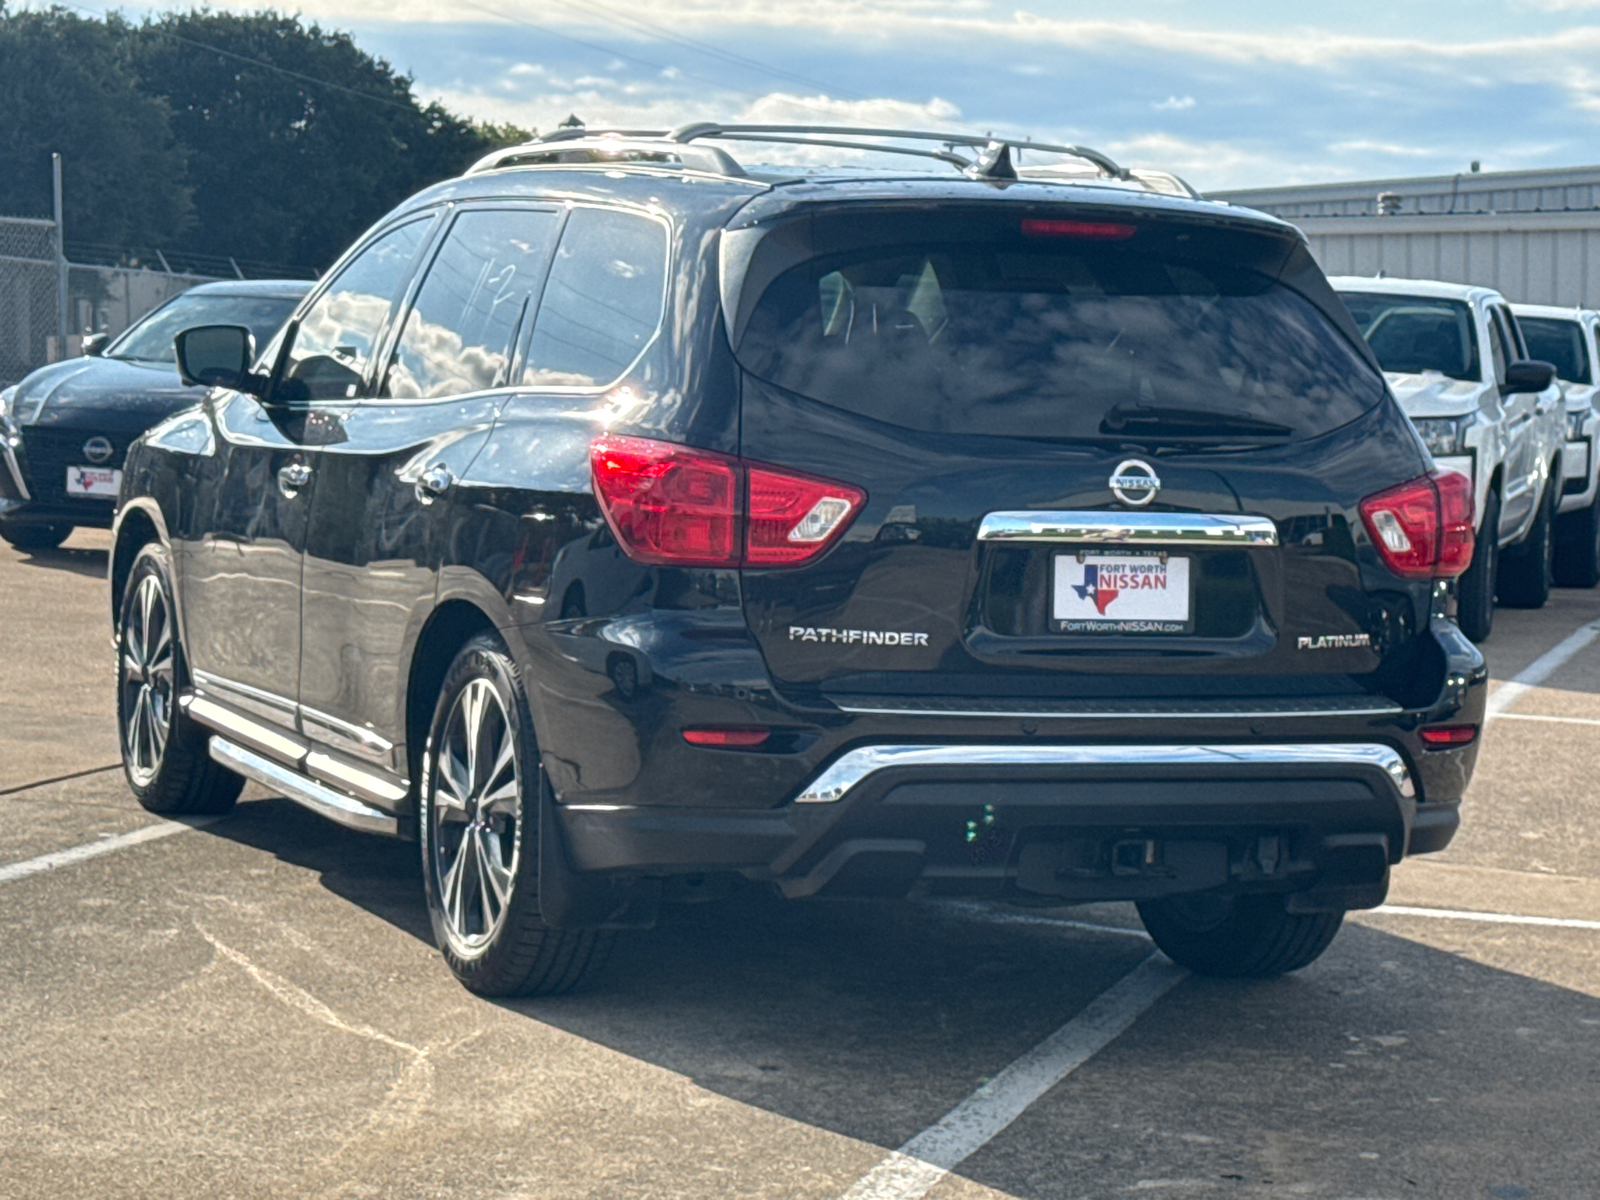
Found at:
[1069, 338]
[461, 329]
[603, 302]
[1553, 340]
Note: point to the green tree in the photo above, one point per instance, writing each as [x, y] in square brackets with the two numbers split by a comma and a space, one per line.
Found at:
[297, 138]
[65, 86]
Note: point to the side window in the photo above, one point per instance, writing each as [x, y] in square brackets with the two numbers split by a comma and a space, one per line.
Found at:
[1516, 348]
[603, 302]
[1497, 347]
[459, 334]
[334, 344]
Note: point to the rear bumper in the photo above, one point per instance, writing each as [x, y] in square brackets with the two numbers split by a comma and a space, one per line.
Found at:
[1075, 822]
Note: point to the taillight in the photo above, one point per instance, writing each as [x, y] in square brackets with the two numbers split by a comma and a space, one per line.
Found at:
[1107, 231]
[1447, 735]
[1423, 529]
[674, 505]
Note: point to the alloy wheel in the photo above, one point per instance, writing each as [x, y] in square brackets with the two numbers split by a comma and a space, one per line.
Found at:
[475, 818]
[147, 673]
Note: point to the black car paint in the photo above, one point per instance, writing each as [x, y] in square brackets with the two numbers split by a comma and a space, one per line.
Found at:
[99, 396]
[620, 657]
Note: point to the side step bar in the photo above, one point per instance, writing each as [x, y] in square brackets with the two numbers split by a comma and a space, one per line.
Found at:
[322, 800]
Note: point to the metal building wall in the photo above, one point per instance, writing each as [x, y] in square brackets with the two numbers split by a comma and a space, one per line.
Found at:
[1533, 235]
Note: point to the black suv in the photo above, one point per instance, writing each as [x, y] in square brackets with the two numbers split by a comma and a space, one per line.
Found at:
[620, 522]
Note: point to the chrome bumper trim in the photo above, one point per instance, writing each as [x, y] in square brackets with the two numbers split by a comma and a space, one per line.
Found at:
[1129, 528]
[1388, 710]
[857, 765]
[324, 801]
[15, 470]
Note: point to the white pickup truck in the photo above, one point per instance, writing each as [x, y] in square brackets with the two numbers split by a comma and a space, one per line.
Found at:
[1456, 361]
[1566, 338]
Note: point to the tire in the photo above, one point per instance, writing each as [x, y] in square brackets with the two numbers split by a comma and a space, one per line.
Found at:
[1241, 937]
[1475, 592]
[1527, 570]
[485, 905]
[1578, 547]
[35, 537]
[165, 755]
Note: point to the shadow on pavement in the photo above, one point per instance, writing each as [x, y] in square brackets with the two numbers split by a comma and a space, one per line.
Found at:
[80, 562]
[1389, 1068]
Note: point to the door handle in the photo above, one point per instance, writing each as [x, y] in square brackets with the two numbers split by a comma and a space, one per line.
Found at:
[434, 482]
[293, 476]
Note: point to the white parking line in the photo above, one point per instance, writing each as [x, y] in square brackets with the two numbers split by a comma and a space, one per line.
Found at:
[913, 1170]
[63, 858]
[1539, 670]
[1505, 716]
[1491, 918]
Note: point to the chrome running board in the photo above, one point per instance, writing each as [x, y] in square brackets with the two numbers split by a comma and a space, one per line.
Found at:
[1129, 528]
[836, 782]
[336, 806]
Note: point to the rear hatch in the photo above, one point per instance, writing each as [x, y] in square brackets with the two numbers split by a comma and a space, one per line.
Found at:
[1106, 458]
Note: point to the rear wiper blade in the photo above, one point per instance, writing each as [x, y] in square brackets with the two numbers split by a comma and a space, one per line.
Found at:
[1195, 422]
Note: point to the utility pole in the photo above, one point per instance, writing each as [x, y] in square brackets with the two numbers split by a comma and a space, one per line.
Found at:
[61, 264]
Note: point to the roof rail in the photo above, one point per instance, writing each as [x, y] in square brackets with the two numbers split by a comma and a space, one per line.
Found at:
[990, 157]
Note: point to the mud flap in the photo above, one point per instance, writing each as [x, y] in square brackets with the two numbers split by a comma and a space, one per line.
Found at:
[578, 900]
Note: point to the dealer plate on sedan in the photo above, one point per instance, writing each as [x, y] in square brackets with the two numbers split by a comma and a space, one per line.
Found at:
[1121, 593]
[93, 481]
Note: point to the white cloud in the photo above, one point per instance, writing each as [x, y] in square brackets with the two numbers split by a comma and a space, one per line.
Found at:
[1174, 104]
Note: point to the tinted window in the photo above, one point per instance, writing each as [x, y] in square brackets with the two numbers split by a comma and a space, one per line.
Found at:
[1413, 334]
[603, 301]
[151, 339]
[1034, 339]
[337, 336]
[1560, 342]
[1497, 349]
[459, 333]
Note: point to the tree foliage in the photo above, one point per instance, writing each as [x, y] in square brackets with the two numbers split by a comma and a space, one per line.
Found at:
[252, 135]
[66, 86]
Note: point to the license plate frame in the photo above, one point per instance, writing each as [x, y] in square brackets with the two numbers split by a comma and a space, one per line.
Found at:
[1074, 606]
[94, 483]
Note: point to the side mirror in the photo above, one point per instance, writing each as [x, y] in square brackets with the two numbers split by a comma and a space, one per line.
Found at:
[95, 343]
[217, 356]
[1528, 375]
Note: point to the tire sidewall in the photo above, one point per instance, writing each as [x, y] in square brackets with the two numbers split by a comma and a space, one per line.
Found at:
[1478, 585]
[152, 560]
[484, 657]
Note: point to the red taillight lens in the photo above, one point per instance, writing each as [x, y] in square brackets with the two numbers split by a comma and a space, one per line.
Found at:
[735, 736]
[1448, 735]
[1106, 231]
[674, 505]
[668, 503]
[794, 517]
[1423, 529]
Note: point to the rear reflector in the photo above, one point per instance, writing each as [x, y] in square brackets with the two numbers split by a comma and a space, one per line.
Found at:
[1448, 735]
[1423, 529]
[736, 736]
[1106, 231]
[673, 505]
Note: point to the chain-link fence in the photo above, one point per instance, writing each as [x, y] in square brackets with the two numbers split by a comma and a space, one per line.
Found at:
[99, 299]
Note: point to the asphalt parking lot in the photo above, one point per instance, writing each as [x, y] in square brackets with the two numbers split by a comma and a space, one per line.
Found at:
[254, 1008]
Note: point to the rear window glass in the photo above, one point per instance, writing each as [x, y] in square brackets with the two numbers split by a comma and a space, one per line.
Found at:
[1553, 340]
[1030, 338]
[1413, 334]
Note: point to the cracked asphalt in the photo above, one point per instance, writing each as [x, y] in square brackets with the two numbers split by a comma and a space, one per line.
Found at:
[255, 1008]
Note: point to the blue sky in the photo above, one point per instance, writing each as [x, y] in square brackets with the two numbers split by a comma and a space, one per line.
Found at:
[1229, 93]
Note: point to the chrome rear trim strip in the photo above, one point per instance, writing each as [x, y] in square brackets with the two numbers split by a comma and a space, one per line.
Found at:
[1131, 715]
[322, 800]
[837, 780]
[1129, 528]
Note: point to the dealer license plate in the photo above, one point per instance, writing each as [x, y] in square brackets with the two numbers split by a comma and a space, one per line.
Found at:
[93, 481]
[1121, 593]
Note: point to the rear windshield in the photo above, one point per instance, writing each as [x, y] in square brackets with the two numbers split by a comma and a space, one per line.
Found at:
[1055, 339]
[1413, 334]
[1553, 340]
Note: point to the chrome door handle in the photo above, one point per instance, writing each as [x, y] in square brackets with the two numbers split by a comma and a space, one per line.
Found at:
[434, 482]
[292, 477]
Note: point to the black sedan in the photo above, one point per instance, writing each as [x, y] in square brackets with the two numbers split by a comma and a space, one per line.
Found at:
[65, 429]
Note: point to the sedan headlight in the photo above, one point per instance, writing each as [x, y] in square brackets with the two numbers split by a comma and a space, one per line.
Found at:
[1444, 435]
[1575, 421]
